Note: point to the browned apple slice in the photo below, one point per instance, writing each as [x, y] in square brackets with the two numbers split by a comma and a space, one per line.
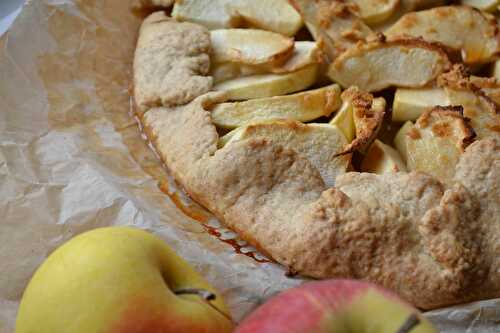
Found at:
[382, 158]
[367, 116]
[303, 107]
[333, 24]
[376, 11]
[319, 143]
[274, 15]
[230, 70]
[250, 46]
[436, 142]
[409, 104]
[376, 65]
[459, 28]
[478, 97]
[344, 120]
[268, 85]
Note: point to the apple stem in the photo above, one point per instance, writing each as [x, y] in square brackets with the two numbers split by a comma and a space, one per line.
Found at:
[410, 323]
[205, 294]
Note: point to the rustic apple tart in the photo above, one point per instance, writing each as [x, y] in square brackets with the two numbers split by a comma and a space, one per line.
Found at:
[355, 138]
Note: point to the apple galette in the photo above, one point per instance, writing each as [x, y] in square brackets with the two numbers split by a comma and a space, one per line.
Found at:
[355, 138]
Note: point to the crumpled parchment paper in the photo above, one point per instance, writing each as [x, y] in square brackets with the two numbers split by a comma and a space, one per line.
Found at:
[72, 159]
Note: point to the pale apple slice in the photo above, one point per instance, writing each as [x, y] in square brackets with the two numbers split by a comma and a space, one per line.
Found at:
[376, 11]
[250, 46]
[496, 70]
[401, 139]
[319, 143]
[436, 142]
[304, 107]
[274, 15]
[382, 158]
[376, 65]
[367, 117]
[460, 28]
[333, 24]
[230, 70]
[409, 104]
[268, 85]
[304, 53]
[485, 5]
[344, 120]
[213, 14]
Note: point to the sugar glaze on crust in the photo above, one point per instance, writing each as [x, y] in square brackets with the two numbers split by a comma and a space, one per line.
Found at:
[432, 243]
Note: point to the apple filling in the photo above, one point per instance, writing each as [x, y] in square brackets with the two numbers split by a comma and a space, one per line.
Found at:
[325, 93]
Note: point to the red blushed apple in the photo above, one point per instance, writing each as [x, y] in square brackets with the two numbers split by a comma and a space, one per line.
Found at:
[336, 306]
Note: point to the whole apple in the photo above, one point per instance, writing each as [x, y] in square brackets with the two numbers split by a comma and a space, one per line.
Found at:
[119, 280]
[335, 306]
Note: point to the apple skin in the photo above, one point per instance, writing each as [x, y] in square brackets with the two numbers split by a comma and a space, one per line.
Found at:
[118, 280]
[333, 306]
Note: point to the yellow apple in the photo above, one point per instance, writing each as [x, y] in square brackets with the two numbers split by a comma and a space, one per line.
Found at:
[119, 280]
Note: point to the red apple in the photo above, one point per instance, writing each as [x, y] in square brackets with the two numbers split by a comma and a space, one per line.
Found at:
[336, 306]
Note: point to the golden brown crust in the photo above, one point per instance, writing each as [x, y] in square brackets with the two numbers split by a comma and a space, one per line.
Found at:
[433, 244]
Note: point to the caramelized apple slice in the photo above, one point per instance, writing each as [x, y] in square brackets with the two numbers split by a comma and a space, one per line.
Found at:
[382, 158]
[437, 140]
[274, 15]
[376, 11]
[250, 46]
[319, 143]
[333, 24]
[459, 28]
[268, 85]
[409, 104]
[230, 70]
[303, 107]
[367, 117]
[377, 65]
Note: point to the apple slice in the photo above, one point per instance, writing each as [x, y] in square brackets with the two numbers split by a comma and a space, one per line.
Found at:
[213, 14]
[230, 70]
[303, 107]
[485, 5]
[496, 70]
[274, 15]
[344, 120]
[319, 143]
[409, 104]
[376, 65]
[376, 11]
[436, 142]
[304, 53]
[367, 117]
[401, 139]
[268, 85]
[382, 158]
[333, 24]
[250, 46]
[459, 28]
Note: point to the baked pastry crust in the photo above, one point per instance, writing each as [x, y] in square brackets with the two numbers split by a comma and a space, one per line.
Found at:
[434, 244]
